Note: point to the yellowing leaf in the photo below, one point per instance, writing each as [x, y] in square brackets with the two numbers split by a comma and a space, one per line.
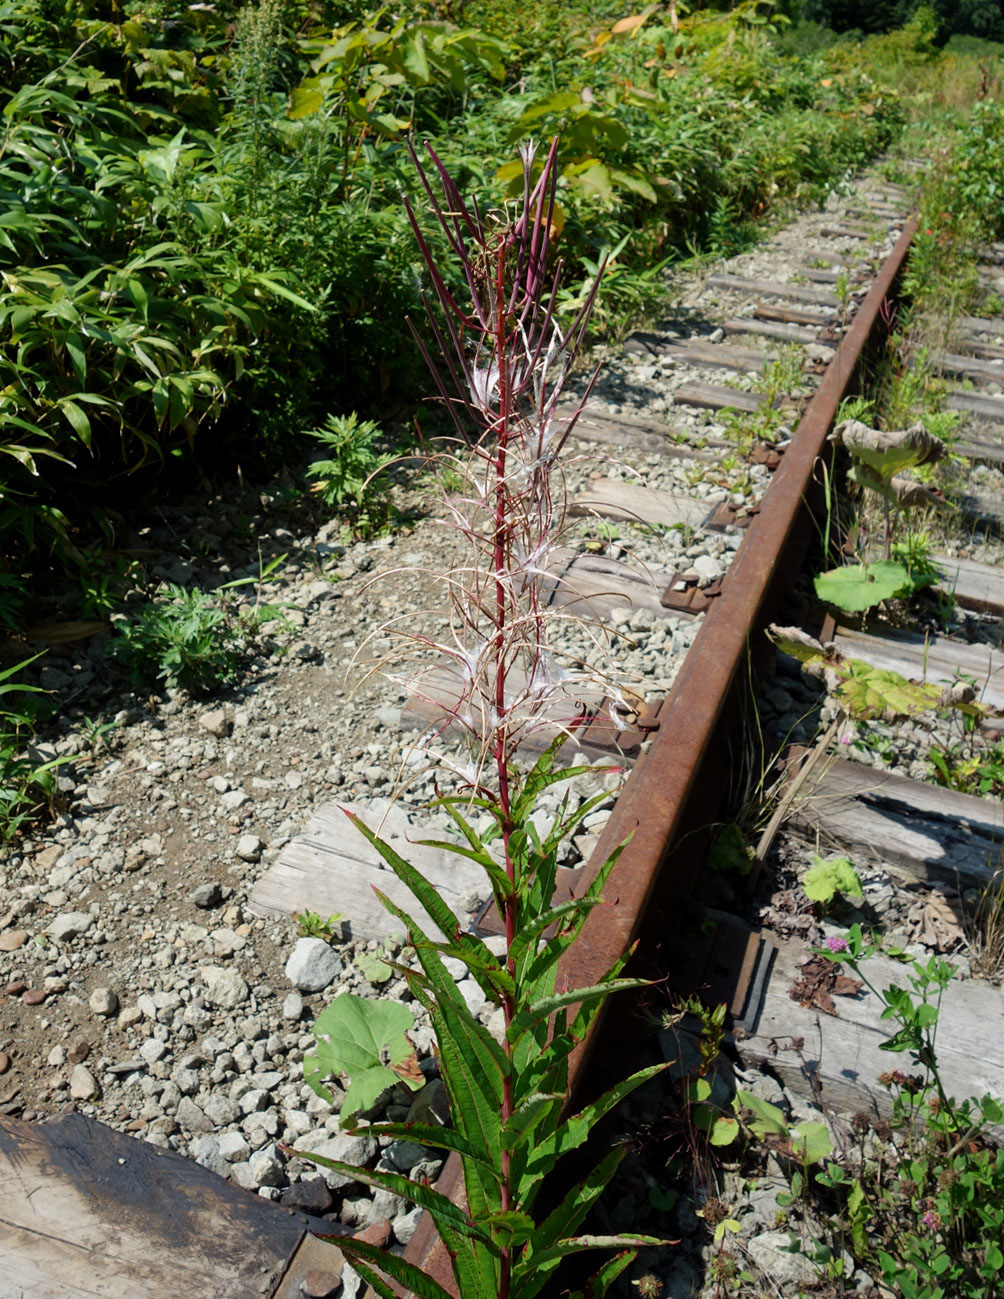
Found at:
[304, 101]
[631, 23]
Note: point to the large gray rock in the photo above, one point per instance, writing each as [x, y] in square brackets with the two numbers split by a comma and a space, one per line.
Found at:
[772, 1252]
[233, 1147]
[249, 847]
[349, 1149]
[191, 1118]
[83, 1084]
[225, 988]
[103, 1002]
[206, 1151]
[313, 965]
[71, 924]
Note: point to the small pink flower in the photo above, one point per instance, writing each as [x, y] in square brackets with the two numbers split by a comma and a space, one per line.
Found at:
[931, 1220]
[836, 944]
[847, 737]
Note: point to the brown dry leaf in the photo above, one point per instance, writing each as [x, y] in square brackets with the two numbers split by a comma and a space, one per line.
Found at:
[934, 923]
[409, 1070]
[819, 982]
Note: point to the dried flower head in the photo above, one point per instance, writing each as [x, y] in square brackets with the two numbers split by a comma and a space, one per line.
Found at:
[506, 358]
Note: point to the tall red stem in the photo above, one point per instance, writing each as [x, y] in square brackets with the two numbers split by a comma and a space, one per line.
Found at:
[500, 558]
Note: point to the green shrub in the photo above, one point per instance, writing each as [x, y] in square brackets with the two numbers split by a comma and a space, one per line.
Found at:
[349, 478]
[185, 638]
[27, 785]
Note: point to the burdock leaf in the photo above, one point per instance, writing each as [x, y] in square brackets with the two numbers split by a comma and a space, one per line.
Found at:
[858, 587]
[364, 1033]
[366, 1087]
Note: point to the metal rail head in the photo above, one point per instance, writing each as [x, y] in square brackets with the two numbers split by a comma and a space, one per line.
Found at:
[671, 796]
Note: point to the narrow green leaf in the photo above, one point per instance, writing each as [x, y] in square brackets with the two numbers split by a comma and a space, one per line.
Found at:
[543, 1009]
[74, 345]
[78, 420]
[281, 291]
[524, 1120]
[425, 893]
[440, 1206]
[397, 1268]
[572, 1132]
[606, 1274]
[576, 1244]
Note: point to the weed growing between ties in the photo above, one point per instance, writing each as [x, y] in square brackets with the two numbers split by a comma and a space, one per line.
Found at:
[908, 1200]
[189, 638]
[916, 1201]
[902, 567]
[348, 477]
[504, 363]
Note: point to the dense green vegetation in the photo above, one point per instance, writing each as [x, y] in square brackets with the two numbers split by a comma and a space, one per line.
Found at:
[203, 247]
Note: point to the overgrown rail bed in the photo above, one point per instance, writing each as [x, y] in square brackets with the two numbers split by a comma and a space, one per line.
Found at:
[124, 1001]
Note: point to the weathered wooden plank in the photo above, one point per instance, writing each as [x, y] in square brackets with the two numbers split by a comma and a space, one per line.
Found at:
[921, 832]
[991, 408]
[639, 433]
[597, 585]
[956, 363]
[821, 277]
[712, 397]
[841, 232]
[982, 506]
[930, 658]
[774, 289]
[828, 255]
[719, 356]
[980, 449]
[615, 499]
[980, 325]
[842, 1053]
[770, 329]
[698, 351]
[441, 687]
[87, 1211]
[793, 315]
[331, 868]
[987, 351]
[974, 586]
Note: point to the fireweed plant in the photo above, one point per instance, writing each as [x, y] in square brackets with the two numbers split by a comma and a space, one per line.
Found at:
[505, 362]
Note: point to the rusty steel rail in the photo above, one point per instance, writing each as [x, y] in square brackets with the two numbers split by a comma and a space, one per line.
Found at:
[673, 794]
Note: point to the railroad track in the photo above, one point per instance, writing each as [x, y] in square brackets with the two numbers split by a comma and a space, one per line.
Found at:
[683, 745]
[719, 365]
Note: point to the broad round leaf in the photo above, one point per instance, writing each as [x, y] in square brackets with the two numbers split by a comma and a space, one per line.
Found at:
[862, 586]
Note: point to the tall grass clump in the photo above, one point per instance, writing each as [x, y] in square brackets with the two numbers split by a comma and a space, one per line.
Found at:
[502, 364]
